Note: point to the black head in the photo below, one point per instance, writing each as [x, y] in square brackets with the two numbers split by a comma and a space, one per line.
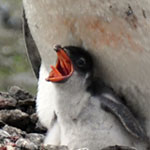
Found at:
[81, 59]
[70, 59]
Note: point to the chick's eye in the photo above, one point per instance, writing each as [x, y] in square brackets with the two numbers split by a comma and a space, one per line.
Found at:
[81, 62]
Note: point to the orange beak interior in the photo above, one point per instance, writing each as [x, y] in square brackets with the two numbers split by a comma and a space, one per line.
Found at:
[63, 69]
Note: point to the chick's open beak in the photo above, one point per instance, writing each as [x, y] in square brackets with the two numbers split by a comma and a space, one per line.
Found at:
[63, 68]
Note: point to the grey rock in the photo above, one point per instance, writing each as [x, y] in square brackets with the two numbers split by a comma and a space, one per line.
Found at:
[37, 139]
[16, 118]
[2, 124]
[39, 128]
[26, 144]
[26, 102]
[30, 110]
[6, 101]
[27, 106]
[34, 118]
[15, 132]
[7, 147]
[4, 137]
[50, 147]
[9, 135]
[19, 94]
[4, 134]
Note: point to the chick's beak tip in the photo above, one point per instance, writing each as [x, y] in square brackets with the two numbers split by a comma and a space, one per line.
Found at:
[57, 48]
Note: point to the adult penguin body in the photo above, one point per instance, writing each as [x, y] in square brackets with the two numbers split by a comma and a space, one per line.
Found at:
[112, 31]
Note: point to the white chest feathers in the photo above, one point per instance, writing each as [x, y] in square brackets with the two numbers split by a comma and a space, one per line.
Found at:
[80, 122]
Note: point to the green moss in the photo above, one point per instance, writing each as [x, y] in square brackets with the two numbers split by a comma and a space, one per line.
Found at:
[13, 2]
[20, 64]
[4, 72]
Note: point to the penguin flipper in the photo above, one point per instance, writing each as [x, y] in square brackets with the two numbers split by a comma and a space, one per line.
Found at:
[32, 49]
[125, 116]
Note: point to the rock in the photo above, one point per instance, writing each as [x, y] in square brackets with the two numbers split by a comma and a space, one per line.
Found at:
[39, 128]
[34, 118]
[20, 127]
[2, 124]
[19, 94]
[4, 137]
[4, 134]
[37, 139]
[14, 132]
[16, 118]
[30, 110]
[26, 102]
[26, 144]
[6, 147]
[50, 147]
[6, 101]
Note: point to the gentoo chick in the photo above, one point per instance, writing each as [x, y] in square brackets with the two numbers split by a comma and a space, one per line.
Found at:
[87, 113]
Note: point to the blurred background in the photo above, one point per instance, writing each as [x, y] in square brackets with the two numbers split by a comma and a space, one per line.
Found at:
[15, 68]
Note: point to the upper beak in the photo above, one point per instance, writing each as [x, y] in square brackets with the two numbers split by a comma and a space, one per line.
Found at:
[64, 67]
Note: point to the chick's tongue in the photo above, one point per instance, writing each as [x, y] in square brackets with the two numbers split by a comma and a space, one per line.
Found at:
[61, 69]
[55, 72]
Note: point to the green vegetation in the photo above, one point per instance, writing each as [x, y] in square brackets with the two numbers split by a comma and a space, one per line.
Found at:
[14, 66]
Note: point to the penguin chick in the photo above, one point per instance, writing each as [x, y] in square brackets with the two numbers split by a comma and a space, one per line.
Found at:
[79, 105]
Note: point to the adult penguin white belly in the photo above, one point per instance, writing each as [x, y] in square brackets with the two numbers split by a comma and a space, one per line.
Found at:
[115, 32]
